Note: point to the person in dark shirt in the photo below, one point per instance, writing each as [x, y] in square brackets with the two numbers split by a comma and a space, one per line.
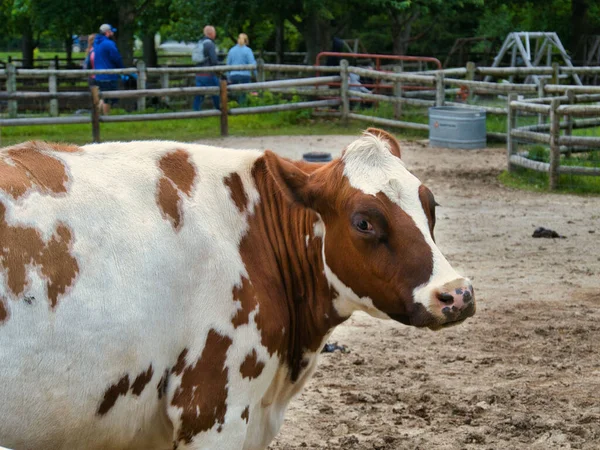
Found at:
[107, 56]
[205, 79]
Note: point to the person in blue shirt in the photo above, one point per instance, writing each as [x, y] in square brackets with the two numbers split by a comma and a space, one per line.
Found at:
[238, 55]
[107, 56]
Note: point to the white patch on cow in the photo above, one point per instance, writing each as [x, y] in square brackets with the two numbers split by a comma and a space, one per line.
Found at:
[372, 168]
[319, 227]
[306, 239]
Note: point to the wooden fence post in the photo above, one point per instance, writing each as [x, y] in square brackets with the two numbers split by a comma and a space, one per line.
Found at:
[344, 91]
[11, 87]
[260, 70]
[511, 121]
[52, 88]
[397, 94]
[555, 72]
[141, 84]
[569, 131]
[224, 112]
[470, 77]
[95, 113]
[541, 93]
[554, 145]
[164, 84]
[440, 92]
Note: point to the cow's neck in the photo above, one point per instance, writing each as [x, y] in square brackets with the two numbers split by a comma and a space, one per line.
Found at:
[284, 260]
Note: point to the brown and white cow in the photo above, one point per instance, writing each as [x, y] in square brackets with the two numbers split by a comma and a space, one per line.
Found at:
[158, 293]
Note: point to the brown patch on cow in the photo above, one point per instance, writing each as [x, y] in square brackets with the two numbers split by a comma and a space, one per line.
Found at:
[178, 168]
[202, 393]
[246, 295]
[251, 367]
[246, 414]
[169, 201]
[3, 310]
[180, 364]
[163, 384]
[389, 138]
[65, 148]
[179, 176]
[59, 267]
[112, 394]
[27, 167]
[141, 381]
[24, 246]
[237, 191]
[288, 285]
[428, 203]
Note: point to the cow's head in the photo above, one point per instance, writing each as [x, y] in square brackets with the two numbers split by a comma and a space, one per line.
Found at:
[377, 221]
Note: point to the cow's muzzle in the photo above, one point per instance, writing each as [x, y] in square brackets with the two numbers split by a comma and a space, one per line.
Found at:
[453, 303]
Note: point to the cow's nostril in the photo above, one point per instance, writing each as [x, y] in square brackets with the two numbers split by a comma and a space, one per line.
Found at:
[467, 297]
[445, 298]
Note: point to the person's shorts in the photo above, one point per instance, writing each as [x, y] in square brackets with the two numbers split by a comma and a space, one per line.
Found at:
[109, 85]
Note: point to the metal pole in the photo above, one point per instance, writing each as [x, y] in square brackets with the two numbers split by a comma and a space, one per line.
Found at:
[52, 88]
[344, 91]
[224, 113]
[511, 121]
[554, 145]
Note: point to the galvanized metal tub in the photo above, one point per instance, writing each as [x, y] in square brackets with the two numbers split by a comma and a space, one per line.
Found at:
[456, 127]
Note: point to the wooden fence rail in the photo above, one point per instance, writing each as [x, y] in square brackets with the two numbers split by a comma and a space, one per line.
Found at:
[550, 134]
[425, 89]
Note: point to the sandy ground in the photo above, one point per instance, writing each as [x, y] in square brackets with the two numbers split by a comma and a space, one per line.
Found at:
[524, 372]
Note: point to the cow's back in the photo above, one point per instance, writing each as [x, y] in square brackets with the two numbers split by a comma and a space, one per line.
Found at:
[110, 254]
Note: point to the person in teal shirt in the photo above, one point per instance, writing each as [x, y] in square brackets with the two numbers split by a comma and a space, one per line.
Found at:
[240, 54]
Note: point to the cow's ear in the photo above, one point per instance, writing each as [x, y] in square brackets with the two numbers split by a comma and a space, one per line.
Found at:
[291, 180]
[389, 138]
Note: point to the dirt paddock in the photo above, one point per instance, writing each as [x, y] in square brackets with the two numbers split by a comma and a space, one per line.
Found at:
[524, 372]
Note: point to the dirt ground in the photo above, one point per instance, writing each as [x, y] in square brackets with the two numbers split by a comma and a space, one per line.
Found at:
[524, 372]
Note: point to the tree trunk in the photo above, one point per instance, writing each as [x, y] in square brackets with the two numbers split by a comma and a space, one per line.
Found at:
[401, 29]
[27, 46]
[126, 27]
[317, 35]
[150, 55]
[69, 50]
[579, 26]
[280, 38]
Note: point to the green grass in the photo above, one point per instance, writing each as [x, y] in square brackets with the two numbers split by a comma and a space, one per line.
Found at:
[523, 178]
[273, 124]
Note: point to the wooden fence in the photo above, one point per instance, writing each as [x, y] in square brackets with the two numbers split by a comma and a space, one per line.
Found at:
[432, 89]
[562, 112]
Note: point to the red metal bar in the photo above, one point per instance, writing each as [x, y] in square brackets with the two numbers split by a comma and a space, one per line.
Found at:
[378, 58]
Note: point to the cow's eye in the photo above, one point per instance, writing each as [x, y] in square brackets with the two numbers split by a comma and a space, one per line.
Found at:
[363, 225]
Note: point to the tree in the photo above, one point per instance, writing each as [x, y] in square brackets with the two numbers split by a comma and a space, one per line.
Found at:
[19, 19]
[405, 14]
[65, 18]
